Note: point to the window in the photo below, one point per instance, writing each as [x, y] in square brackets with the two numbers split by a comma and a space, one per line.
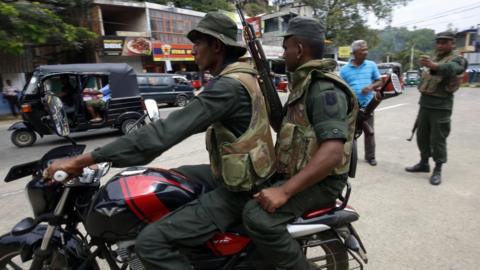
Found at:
[271, 25]
[171, 27]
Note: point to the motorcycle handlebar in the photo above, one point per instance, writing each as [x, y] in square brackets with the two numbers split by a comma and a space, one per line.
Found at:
[60, 176]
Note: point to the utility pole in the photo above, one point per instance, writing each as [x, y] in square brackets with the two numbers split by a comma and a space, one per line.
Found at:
[412, 53]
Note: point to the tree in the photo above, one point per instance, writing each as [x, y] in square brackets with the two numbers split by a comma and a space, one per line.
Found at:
[398, 42]
[27, 23]
[346, 19]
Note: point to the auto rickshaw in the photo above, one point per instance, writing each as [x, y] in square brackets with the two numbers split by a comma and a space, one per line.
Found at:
[70, 82]
[391, 76]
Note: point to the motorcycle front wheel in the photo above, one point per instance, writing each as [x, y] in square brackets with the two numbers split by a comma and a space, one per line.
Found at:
[12, 260]
[325, 251]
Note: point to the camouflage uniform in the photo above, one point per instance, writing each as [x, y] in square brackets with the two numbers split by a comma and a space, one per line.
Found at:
[320, 107]
[436, 103]
[232, 110]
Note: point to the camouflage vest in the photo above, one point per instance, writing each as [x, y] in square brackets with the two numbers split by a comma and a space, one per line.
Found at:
[437, 85]
[249, 159]
[297, 141]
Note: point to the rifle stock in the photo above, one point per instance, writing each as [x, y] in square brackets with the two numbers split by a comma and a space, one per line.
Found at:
[272, 100]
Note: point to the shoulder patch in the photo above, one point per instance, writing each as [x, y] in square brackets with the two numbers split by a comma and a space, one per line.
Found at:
[331, 98]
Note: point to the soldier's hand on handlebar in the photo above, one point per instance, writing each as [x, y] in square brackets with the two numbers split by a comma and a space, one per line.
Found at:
[68, 165]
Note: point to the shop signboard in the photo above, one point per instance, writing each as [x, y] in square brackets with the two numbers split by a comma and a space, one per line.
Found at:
[172, 52]
[113, 45]
[127, 46]
[256, 22]
[344, 52]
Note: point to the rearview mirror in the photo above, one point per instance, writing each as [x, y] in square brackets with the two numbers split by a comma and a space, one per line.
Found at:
[58, 115]
[152, 109]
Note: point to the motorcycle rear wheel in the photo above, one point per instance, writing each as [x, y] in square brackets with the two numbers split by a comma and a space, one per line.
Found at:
[327, 251]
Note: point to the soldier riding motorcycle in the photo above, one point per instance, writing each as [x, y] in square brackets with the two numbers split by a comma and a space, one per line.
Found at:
[113, 214]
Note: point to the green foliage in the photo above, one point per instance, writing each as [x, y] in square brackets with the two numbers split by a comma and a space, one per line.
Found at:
[32, 23]
[398, 42]
[253, 9]
[346, 19]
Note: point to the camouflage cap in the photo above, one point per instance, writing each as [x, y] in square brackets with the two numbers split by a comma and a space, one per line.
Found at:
[306, 28]
[219, 26]
[445, 35]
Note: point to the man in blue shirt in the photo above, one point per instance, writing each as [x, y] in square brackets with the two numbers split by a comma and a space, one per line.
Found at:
[363, 77]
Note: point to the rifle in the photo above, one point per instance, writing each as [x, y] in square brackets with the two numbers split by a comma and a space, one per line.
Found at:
[364, 114]
[413, 130]
[273, 103]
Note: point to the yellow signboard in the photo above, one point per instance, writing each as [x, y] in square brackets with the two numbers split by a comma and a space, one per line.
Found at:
[344, 52]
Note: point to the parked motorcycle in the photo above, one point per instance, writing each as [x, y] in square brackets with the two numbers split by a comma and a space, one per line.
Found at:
[78, 221]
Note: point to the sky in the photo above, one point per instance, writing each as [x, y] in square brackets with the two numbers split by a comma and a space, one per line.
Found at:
[434, 14]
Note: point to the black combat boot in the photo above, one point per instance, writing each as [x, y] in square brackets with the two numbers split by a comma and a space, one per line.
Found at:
[436, 177]
[422, 166]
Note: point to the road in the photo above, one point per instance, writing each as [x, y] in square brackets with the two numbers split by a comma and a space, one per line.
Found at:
[405, 222]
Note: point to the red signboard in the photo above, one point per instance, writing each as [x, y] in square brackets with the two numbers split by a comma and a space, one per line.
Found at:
[256, 22]
[172, 52]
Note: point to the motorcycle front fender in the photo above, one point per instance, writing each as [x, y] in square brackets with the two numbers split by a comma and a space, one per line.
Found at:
[69, 245]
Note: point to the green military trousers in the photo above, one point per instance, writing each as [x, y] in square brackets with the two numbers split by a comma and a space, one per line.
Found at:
[269, 233]
[191, 225]
[433, 128]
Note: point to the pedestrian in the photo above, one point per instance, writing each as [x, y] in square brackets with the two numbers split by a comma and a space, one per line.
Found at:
[238, 140]
[363, 77]
[441, 77]
[10, 94]
[314, 147]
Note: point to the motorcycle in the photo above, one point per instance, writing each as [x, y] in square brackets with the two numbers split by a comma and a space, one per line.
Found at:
[78, 221]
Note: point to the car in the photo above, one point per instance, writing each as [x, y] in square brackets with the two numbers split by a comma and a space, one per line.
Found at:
[172, 89]
[193, 77]
[281, 82]
[412, 77]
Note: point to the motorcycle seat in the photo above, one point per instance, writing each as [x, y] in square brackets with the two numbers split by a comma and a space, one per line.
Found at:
[329, 216]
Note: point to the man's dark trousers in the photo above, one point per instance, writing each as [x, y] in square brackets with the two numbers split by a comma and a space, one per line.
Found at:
[433, 130]
[369, 137]
[268, 230]
[189, 226]
[13, 102]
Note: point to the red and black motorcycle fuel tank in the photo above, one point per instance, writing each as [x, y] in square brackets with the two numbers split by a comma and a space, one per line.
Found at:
[135, 197]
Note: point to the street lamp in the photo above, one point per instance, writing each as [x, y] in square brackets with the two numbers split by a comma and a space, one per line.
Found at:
[412, 53]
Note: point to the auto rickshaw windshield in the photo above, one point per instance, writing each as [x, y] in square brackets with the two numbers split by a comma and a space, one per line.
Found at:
[32, 86]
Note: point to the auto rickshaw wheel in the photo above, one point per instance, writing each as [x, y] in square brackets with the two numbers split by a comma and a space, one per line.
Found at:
[128, 125]
[181, 101]
[23, 137]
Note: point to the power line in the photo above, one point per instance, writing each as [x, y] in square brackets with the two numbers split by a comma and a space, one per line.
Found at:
[436, 16]
[449, 21]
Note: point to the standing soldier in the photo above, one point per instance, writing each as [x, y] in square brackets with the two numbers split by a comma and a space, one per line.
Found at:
[238, 140]
[313, 147]
[440, 79]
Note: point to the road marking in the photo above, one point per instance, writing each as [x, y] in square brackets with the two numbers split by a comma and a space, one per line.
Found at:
[390, 107]
[11, 193]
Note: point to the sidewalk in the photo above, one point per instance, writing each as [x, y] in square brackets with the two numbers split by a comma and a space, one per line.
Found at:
[7, 120]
